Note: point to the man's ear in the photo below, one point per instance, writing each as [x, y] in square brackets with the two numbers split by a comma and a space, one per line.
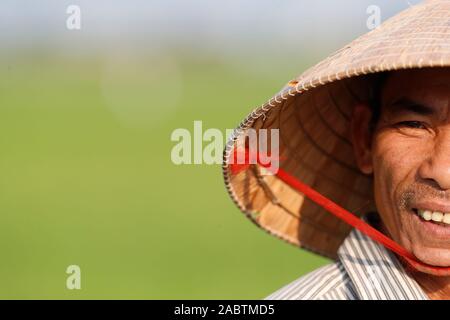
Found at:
[362, 137]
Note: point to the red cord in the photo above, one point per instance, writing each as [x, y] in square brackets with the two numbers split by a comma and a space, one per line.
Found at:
[347, 217]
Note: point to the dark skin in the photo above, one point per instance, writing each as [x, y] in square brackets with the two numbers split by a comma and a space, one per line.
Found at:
[408, 155]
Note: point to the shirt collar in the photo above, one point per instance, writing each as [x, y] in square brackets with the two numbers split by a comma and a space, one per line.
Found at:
[375, 272]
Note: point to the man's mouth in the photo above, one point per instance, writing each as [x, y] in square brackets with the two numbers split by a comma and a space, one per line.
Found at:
[441, 218]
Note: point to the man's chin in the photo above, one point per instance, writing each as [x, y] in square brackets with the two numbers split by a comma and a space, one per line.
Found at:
[427, 241]
[435, 257]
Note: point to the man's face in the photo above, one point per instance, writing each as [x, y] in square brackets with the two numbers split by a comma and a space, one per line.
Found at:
[409, 155]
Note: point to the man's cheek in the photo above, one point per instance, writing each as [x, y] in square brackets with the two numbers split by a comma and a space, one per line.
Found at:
[387, 168]
[393, 172]
[397, 159]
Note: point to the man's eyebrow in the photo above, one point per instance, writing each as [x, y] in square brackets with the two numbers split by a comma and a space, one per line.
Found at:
[406, 104]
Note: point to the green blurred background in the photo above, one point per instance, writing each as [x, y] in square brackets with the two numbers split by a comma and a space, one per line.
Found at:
[85, 124]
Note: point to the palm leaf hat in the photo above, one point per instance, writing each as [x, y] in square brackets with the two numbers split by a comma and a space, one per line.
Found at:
[312, 114]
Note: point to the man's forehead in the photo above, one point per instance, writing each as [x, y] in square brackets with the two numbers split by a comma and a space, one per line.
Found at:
[418, 78]
[431, 86]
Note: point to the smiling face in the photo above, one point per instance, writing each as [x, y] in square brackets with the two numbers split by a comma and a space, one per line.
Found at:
[408, 153]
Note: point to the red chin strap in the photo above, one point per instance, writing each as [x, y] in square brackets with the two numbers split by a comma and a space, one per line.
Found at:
[347, 217]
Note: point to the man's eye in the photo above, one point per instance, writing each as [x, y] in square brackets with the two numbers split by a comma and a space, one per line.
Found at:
[412, 124]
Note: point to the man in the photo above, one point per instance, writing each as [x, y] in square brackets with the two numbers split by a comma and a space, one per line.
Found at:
[369, 129]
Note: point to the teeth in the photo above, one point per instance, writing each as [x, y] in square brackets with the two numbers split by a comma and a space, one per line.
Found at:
[446, 218]
[435, 216]
[427, 215]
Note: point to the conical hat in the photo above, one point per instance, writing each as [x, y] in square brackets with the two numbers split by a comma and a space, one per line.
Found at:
[312, 113]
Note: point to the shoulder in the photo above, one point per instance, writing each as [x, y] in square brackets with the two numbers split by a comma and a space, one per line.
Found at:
[329, 282]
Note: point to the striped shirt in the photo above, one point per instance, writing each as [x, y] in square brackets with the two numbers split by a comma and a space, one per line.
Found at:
[364, 270]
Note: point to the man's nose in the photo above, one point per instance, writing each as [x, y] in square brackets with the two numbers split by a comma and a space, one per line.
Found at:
[437, 165]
